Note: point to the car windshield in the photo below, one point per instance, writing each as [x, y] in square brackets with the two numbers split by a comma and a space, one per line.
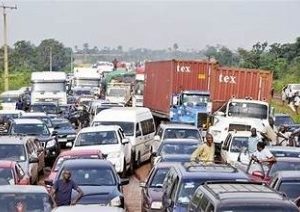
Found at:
[49, 86]
[282, 120]
[195, 98]
[52, 109]
[6, 176]
[290, 188]
[248, 110]
[250, 208]
[92, 176]
[97, 138]
[285, 166]
[158, 178]
[128, 127]
[82, 92]
[63, 126]
[186, 191]
[183, 148]
[116, 92]
[30, 129]
[182, 133]
[30, 202]
[238, 143]
[14, 152]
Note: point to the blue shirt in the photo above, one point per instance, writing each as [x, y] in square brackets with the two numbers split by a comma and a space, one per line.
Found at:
[63, 191]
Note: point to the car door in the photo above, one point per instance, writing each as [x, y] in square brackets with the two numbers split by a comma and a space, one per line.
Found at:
[125, 147]
[225, 148]
[33, 167]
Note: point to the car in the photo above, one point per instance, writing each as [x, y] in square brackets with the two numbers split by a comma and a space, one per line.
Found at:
[183, 179]
[283, 119]
[13, 114]
[239, 196]
[265, 172]
[25, 198]
[11, 173]
[65, 131]
[234, 143]
[37, 128]
[40, 116]
[174, 146]
[284, 151]
[287, 182]
[173, 131]
[152, 189]
[97, 179]
[16, 148]
[89, 208]
[73, 154]
[110, 140]
[50, 108]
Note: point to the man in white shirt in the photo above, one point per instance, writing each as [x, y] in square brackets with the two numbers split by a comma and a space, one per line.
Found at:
[262, 154]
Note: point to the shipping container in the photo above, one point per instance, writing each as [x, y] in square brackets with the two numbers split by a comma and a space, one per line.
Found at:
[166, 78]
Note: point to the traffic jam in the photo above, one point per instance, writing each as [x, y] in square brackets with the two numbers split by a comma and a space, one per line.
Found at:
[171, 135]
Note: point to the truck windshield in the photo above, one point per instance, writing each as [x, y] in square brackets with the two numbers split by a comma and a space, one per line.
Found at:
[88, 82]
[49, 86]
[118, 92]
[250, 110]
[195, 98]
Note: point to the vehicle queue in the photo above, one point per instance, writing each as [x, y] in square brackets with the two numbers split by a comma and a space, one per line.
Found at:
[54, 155]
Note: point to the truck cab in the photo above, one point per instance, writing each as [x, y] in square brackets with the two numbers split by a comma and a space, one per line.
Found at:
[191, 107]
[240, 115]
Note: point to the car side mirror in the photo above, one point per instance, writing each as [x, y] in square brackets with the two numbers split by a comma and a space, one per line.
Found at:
[258, 174]
[138, 133]
[33, 160]
[156, 138]
[142, 184]
[124, 181]
[54, 133]
[125, 141]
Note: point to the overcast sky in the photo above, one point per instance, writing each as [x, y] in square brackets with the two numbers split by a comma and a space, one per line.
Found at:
[154, 24]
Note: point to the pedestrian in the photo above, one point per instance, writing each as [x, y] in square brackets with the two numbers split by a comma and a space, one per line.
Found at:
[20, 104]
[62, 190]
[296, 102]
[263, 154]
[283, 136]
[253, 140]
[270, 132]
[205, 152]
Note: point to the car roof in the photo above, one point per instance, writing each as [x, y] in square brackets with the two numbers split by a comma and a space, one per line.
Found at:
[34, 114]
[284, 148]
[288, 174]
[13, 139]
[99, 128]
[89, 208]
[190, 170]
[287, 159]
[79, 152]
[28, 121]
[165, 164]
[87, 163]
[180, 140]
[241, 190]
[240, 133]
[177, 126]
[6, 163]
[23, 189]
[44, 103]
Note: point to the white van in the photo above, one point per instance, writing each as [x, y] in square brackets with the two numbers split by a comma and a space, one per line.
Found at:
[137, 124]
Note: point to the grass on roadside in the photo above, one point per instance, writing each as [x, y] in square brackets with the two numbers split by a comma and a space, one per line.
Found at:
[279, 108]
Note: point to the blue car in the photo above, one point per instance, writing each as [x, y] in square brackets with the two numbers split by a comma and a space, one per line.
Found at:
[97, 179]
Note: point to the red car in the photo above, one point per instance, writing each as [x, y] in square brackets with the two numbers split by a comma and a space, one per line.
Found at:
[12, 173]
[72, 154]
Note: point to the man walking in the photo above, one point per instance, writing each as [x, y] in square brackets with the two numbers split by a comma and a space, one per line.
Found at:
[253, 140]
[62, 190]
[205, 152]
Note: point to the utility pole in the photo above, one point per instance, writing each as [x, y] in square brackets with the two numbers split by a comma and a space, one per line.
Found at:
[4, 7]
[50, 58]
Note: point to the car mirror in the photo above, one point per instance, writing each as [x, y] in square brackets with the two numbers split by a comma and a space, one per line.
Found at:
[124, 181]
[33, 160]
[54, 133]
[138, 133]
[156, 138]
[69, 144]
[142, 184]
[125, 141]
[258, 174]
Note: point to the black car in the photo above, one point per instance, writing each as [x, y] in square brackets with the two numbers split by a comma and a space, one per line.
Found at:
[50, 108]
[97, 179]
[239, 196]
[65, 131]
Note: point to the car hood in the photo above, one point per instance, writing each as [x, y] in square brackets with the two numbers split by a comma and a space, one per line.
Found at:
[97, 194]
[155, 194]
[105, 149]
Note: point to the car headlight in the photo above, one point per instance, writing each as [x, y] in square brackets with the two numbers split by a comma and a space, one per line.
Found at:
[156, 205]
[115, 202]
[50, 143]
[114, 155]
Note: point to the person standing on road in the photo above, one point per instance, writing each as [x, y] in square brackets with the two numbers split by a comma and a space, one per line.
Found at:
[20, 104]
[253, 140]
[283, 136]
[62, 190]
[205, 152]
[262, 154]
[296, 102]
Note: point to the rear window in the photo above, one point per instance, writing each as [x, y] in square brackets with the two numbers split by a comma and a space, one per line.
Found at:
[182, 133]
[97, 138]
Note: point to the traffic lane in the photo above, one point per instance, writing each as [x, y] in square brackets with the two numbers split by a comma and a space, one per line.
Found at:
[132, 191]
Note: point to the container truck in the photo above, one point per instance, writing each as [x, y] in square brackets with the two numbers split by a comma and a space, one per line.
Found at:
[190, 91]
[48, 87]
[87, 78]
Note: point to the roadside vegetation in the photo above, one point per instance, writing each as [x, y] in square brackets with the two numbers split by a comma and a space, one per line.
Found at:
[279, 108]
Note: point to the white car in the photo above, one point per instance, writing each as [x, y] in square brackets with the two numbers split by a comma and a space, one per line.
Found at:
[11, 113]
[110, 140]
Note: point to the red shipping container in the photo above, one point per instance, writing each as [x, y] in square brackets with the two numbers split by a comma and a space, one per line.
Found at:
[165, 78]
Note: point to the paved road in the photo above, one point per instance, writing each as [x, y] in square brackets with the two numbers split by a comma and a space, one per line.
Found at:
[132, 191]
